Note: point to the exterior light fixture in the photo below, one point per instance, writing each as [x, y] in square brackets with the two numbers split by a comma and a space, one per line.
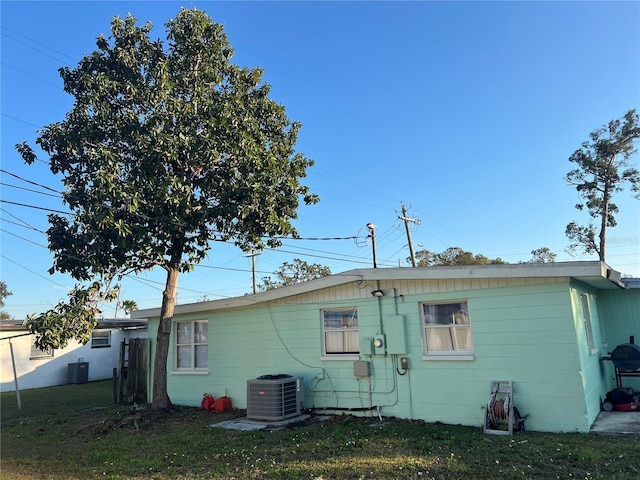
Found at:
[377, 293]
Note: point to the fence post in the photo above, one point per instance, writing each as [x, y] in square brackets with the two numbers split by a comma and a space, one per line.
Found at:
[115, 385]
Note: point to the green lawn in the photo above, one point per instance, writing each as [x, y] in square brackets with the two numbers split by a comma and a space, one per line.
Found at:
[74, 432]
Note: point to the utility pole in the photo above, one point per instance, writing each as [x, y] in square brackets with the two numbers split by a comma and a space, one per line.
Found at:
[406, 226]
[253, 269]
[372, 228]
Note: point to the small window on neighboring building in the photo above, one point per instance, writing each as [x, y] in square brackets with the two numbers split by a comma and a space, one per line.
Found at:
[340, 331]
[100, 338]
[36, 353]
[192, 345]
[447, 329]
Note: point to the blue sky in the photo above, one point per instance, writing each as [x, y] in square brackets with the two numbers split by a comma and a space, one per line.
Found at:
[466, 112]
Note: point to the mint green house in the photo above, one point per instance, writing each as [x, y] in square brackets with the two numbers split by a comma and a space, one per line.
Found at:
[417, 343]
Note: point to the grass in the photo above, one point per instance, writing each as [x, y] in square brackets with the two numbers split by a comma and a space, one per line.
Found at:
[74, 432]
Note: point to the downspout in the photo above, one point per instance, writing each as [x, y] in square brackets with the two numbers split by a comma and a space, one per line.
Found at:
[380, 324]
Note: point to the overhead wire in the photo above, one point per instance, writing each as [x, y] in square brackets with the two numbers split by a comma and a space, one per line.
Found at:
[4, 184]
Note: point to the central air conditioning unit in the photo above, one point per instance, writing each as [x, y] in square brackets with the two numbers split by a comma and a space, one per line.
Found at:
[274, 397]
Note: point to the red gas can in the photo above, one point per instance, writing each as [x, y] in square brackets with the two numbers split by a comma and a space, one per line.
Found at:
[222, 404]
[208, 402]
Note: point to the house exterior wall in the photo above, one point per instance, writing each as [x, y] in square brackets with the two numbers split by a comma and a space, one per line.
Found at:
[49, 371]
[523, 330]
[591, 346]
[620, 310]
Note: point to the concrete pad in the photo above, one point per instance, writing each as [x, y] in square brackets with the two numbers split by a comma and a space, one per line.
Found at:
[245, 424]
[617, 423]
[239, 424]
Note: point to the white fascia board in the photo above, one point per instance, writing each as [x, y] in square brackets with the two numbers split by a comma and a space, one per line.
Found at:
[595, 271]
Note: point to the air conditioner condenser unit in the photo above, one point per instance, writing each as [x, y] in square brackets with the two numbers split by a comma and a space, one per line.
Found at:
[274, 397]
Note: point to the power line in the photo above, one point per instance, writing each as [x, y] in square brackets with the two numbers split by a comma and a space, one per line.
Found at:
[29, 190]
[4, 27]
[34, 207]
[35, 273]
[32, 76]
[22, 224]
[30, 181]
[21, 121]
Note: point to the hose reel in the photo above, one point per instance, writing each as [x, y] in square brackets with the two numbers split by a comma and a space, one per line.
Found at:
[501, 416]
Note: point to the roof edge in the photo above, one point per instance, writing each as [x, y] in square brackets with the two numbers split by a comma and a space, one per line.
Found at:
[582, 269]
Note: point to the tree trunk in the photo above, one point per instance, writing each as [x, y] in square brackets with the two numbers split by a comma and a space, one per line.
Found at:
[160, 399]
[603, 225]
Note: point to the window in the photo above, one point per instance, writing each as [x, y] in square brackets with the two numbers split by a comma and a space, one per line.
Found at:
[446, 328]
[192, 345]
[36, 353]
[586, 315]
[100, 338]
[340, 330]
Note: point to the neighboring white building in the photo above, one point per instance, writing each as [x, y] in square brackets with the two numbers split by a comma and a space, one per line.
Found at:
[35, 368]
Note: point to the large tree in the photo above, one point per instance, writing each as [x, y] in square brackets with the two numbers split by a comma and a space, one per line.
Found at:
[453, 256]
[4, 293]
[291, 273]
[603, 169]
[542, 255]
[167, 147]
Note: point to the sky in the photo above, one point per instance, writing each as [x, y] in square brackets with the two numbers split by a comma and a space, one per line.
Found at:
[465, 112]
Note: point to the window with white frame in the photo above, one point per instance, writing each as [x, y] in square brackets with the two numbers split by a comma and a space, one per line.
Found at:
[36, 353]
[192, 345]
[586, 316]
[100, 338]
[447, 329]
[340, 331]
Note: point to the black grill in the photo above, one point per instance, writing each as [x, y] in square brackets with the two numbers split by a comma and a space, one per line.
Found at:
[626, 357]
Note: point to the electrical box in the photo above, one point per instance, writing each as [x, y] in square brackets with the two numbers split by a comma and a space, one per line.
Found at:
[404, 363]
[366, 346]
[379, 345]
[361, 368]
[395, 333]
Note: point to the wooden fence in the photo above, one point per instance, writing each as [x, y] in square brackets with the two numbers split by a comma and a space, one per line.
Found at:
[130, 380]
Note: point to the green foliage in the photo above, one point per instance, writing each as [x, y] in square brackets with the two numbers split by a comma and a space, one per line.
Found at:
[291, 273]
[4, 293]
[167, 147]
[73, 319]
[453, 256]
[129, 306]
[603, 169]
[542, 255]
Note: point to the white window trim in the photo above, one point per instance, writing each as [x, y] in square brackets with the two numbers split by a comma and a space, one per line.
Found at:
[588, 324]
[107, 336]
[339, 356]
[324, 355]
[37, 354]
[456, 356]
[191, 370]
[447, 355]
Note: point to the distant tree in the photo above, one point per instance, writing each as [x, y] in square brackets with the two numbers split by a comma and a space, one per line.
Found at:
[203, 298]
[291, 273]
[602, 170]
[167, 147]
[4, 293]
[129, 306]
[542, 255]
[453, 256]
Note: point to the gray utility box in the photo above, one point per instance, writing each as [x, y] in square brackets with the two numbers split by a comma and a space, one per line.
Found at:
[78, 372]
